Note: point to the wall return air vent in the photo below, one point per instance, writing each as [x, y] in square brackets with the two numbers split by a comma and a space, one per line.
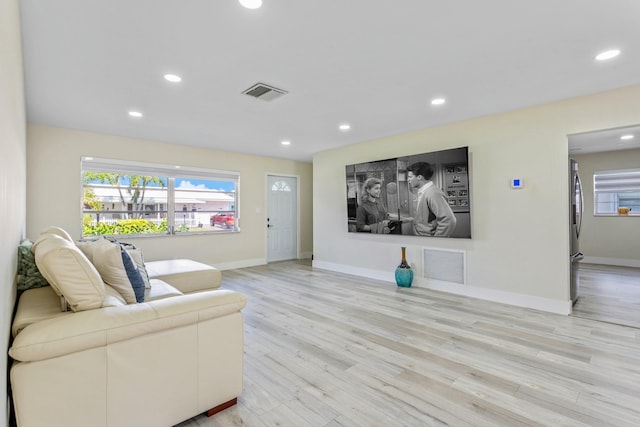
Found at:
[264, 92]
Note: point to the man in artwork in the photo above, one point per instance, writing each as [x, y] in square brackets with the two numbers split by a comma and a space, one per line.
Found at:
[433, 216]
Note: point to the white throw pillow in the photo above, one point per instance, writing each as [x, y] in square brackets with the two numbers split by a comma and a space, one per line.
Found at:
[69, 272]
[86, 246]
[119, 270]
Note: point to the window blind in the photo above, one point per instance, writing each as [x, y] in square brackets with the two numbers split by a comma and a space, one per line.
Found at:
[616, 181]
[90, 164]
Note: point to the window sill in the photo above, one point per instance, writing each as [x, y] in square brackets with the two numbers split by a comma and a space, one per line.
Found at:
[152, 235]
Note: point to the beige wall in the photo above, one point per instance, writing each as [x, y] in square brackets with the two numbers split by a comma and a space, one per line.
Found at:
[12, 174]
[519, 250]
[608, 240]
[54, 181]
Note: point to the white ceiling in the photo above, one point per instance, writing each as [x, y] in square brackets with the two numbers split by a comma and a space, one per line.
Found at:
[373, 63]
[604, 140]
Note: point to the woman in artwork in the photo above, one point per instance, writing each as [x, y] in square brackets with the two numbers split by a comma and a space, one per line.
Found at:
[371, 215]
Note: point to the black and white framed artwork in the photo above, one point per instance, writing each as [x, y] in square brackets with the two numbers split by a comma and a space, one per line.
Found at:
[426, 194]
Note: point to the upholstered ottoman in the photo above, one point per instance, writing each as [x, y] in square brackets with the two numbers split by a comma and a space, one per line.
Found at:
[184, 274]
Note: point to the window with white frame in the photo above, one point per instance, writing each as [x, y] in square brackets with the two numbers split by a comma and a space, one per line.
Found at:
[616, 189]
[133, 198]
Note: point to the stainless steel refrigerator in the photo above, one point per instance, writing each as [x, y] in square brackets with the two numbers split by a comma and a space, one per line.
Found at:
[576, 203]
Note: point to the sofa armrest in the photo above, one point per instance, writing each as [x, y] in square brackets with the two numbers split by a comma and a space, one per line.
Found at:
[36, 305]
[100, 327]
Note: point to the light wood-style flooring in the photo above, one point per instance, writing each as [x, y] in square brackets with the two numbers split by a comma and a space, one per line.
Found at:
[327, 349]
[609, 294]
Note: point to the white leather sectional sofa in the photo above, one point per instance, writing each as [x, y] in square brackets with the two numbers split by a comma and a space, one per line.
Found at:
[109, 362]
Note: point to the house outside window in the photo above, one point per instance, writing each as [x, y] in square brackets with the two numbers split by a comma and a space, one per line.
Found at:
[133, 198]
[616, 189]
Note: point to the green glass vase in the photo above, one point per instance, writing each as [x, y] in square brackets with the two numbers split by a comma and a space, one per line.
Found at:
[404, 272]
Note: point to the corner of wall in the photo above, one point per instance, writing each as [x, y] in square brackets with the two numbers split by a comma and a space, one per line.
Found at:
[13, 180]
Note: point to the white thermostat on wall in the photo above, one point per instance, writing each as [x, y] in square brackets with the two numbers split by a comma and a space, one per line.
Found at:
[517, 183]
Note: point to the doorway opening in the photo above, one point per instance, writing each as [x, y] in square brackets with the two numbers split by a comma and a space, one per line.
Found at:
[609, 293]
[609, 274]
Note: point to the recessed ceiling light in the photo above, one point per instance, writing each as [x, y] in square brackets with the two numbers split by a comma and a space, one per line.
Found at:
[285, 142]
[136, 114]
[88, 158]
[607, 54]
[626, 137]
[173, 78]
[438, 101]
[251, 4]
[344, 127]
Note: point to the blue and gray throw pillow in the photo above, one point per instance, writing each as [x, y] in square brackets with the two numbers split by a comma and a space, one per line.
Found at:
[133, 273]
[118, 270]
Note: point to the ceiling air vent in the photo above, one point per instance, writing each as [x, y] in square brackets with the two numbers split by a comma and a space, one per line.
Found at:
[264, 92]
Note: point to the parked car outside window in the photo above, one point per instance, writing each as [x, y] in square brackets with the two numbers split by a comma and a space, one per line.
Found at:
[224, 219]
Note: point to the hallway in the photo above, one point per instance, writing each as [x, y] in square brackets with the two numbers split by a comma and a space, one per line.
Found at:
[609, 294]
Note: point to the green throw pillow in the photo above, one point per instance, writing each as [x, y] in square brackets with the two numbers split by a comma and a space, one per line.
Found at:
[28, 274]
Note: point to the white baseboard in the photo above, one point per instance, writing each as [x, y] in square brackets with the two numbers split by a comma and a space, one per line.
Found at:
[511, 298]
[240, 264]
[620, 262]
[251, 262]
[356, 271]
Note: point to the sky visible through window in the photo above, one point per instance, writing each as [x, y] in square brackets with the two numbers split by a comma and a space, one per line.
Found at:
[184, 183]
[204, 184]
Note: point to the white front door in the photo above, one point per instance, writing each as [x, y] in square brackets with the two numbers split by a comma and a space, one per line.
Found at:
[282, 218]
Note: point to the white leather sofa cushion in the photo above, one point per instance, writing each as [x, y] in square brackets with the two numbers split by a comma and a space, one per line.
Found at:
[34, 249]
[185, 274]
[69, 272]
[160, 290]
[112, 297]
[57, 231]
[96, 328]
[35, 305]
[40, 304]
[117, 269]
